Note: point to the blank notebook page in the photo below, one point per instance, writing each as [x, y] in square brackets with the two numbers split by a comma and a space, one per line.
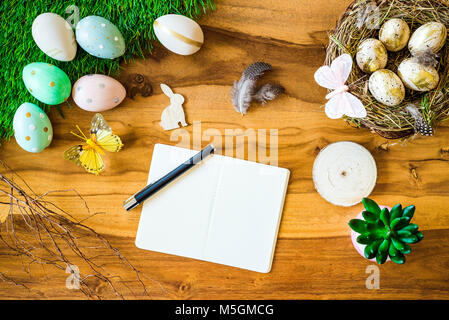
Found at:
[223, 210]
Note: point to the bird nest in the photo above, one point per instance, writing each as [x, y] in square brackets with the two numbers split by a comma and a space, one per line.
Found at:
[362, 20]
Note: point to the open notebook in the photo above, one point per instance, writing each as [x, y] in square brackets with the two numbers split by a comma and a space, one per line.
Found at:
[224, 210]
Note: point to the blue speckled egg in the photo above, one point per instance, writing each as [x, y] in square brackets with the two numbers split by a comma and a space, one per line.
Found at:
[100, 38]
[32, 128]
[46, 82]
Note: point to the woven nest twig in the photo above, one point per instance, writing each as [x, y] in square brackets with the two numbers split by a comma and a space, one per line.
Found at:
[392, 122]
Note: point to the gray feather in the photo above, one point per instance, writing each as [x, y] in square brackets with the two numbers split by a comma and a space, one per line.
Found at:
[268, 92]
[242, 92]
[421, 125]
[427, 58]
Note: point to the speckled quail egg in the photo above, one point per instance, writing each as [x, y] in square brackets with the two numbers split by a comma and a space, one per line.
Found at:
[387, 87]
[394, 34]
[417, 76]
[371, 55]
[430, 36]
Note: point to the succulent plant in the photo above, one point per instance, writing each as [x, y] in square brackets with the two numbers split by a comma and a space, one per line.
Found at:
[386, 233]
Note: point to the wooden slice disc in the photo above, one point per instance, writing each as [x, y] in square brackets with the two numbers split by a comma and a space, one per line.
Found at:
[344, 173]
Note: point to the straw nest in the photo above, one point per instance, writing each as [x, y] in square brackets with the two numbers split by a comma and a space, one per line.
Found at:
[392, 122]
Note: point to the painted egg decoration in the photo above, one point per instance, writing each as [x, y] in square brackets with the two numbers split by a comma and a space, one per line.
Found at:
[417, 76]
[179, 34]
[46, 82]
[371, 55]
[32, 128]
[394, 34]
[430, 36]
[97, 92]
[387, 87]
[54, 36]
[100, 37]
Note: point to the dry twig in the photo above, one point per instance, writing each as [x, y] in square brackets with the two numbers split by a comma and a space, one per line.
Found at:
[40, 231]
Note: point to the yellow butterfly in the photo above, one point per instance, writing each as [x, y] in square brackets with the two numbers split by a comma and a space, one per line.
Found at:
[101, 139]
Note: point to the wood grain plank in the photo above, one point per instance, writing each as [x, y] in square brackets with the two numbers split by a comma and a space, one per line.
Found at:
[314, 256]
[302, 269]
[299, 22]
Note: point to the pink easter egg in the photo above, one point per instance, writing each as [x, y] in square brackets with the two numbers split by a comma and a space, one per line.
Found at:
[97, 92]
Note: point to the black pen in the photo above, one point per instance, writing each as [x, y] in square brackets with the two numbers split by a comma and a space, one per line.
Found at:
[154, 187]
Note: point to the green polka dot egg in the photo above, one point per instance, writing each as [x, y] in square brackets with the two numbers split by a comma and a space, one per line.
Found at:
[46, 82]
[32, 128]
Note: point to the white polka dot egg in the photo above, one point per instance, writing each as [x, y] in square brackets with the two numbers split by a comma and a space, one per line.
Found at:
[97, 93]
[100, 38]
[32, 128]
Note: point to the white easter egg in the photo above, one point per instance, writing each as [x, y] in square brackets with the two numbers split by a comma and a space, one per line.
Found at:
[32, 128]
[97, 92]
[179, 34]
[387, 87]
[54, 36]
[417, 76]
[395, 34]
[430, 36]
[371, 55]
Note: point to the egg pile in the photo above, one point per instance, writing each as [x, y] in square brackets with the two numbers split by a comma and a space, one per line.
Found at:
[96, 35]
[388, 87]
[95, 92]
[50, 85]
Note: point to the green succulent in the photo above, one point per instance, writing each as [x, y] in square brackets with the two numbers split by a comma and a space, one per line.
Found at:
[386, 233]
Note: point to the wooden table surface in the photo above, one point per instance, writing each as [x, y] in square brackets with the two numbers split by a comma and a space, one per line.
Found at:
[314, 256]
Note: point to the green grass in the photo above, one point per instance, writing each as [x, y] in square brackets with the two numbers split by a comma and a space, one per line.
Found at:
[134, 18]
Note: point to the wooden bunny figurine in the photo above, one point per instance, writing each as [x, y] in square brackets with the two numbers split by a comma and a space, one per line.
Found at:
[173, 114]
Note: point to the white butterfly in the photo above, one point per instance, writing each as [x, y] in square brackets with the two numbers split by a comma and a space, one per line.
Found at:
[341, 102]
